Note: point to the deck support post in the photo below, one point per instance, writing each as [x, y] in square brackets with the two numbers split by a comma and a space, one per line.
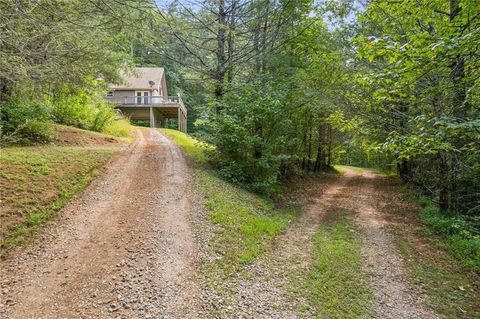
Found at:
[179, 119]
[152, 117]
[185, 123]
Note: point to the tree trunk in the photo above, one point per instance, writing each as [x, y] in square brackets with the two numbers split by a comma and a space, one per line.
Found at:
[309, 152]
[442, 165]
[403, 169]
[444, 187]
[5, 89]
[458, 72]
[329, 162]
[231, 41]
[220, 72]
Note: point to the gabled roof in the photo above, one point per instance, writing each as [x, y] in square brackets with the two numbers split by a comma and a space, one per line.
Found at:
[139, 79]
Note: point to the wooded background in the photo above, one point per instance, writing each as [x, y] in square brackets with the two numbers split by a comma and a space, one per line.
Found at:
[280, 88]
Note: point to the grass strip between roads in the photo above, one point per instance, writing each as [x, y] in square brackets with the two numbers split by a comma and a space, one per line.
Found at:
[245, 223]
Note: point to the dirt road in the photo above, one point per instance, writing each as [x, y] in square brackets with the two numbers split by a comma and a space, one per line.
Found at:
[367, 197]
[123, 249]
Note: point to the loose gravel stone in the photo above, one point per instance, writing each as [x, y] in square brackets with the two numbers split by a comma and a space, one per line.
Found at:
[122, 249]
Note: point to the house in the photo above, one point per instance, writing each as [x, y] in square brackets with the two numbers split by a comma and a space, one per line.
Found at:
[143, 95]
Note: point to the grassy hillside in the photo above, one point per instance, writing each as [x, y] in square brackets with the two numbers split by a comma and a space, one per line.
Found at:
[193, 147]
[245, 223]
[37, 181]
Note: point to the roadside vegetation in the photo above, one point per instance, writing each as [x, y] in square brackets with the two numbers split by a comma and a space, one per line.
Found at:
[274, 90]
[386, 85]
[192, 147]
[454, 233]
[450, 290]
[245, 223]
[37, 181]
[442, 255]
[336, 286]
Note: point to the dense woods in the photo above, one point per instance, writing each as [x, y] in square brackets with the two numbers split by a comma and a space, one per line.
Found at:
[280, 88]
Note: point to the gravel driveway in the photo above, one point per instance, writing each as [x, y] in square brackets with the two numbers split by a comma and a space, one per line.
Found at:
[122, 249]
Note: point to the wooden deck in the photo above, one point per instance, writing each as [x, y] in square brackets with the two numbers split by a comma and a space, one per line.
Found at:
[153, 108]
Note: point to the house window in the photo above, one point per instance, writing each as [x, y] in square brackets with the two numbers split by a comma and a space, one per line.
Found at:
[110, 93]
[142, 97]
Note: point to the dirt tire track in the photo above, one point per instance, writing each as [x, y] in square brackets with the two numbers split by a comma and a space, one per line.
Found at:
[266, 295]
[123, 249]
[390, 281]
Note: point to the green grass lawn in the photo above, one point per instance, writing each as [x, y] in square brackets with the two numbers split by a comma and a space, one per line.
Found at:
[37, 181]
[336, 287]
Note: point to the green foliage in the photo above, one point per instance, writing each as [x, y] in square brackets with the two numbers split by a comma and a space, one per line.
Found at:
[192, 147]
[458, 234]
[417, 94]
[69, 52]
[121, 127]
[22, 121]
[336, 286]
[252, 136]
[86, 110]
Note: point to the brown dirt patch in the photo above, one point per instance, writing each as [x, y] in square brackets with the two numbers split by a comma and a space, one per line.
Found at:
[67, 135]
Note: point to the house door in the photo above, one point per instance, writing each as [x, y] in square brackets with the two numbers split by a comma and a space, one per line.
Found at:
[142, 97]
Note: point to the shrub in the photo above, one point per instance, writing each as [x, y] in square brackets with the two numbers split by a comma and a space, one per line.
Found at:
[24, 122]
[104, 114]
[254, 136]
[86, 110]
[120, 127]
[71, 108]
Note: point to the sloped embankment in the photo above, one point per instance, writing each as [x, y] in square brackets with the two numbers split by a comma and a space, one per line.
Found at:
[37, 181]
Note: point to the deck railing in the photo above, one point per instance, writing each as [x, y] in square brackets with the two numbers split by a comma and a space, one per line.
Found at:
[140, 101]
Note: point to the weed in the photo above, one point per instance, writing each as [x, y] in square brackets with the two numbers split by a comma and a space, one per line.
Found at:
[455, 233]
[192, 147]
[119, 128]
[246, 224]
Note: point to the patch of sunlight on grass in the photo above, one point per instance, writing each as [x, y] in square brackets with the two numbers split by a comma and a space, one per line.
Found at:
[192, 147]
[120, 128]
[342, 169]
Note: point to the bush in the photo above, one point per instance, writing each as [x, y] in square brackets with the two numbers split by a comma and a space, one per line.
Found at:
[103, 116]
[120, 127]
[86, 110]
[254, 136]
[24, 122]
